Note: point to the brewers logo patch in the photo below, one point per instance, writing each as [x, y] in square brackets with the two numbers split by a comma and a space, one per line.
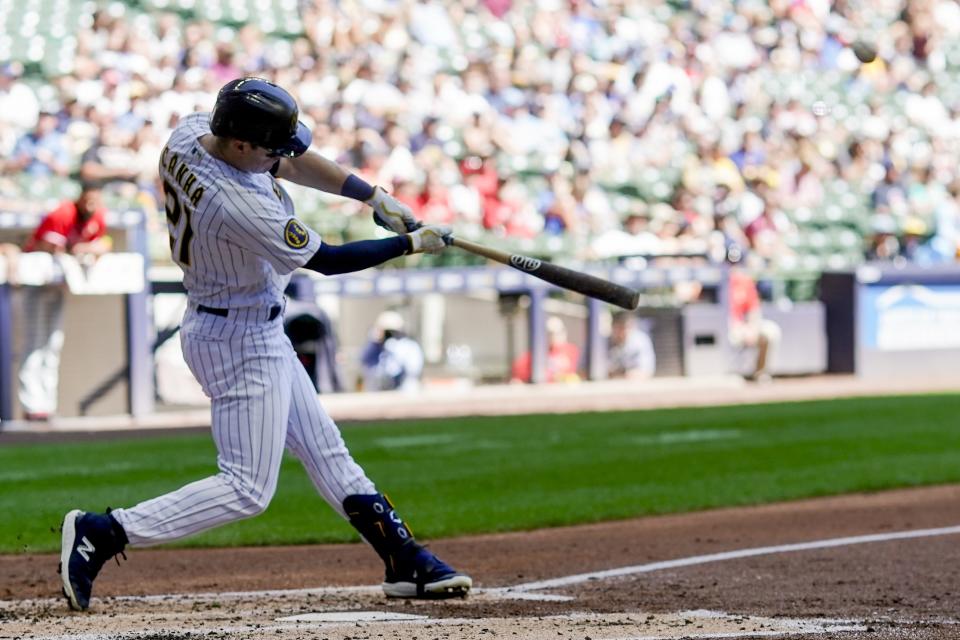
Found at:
[296, 234]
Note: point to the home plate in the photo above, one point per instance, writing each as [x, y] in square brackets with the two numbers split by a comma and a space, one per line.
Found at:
[352, 616]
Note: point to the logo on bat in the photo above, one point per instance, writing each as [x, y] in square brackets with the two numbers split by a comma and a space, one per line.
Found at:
[525, 263]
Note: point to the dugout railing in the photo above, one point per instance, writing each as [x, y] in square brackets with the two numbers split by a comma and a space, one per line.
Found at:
[509, 285]
[693, 336]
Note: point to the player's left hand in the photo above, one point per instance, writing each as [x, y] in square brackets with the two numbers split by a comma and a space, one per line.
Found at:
[431, 238]
[390, 213]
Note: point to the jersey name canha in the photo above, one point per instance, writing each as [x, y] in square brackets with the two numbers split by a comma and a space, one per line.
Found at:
[233, 233]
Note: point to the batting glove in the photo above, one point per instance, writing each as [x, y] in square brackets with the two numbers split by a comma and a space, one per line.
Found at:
[431, 238]
[390, 213]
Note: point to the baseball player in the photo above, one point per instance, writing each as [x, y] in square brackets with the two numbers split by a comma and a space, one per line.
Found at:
[233, 231]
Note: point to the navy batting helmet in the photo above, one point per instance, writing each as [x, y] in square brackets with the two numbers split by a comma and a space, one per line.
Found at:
[261, 113]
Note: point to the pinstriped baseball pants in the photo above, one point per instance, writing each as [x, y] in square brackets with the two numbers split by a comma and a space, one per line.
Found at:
[262, 402]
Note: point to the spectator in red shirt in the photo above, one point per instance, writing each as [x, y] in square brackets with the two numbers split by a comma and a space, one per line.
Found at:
[408, 192]
[435, 206]
[505, 212]
[563, 357]
[481, 172]
[747, 326]
[76, 228]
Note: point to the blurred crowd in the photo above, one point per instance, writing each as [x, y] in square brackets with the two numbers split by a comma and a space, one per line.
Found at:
[620, 128]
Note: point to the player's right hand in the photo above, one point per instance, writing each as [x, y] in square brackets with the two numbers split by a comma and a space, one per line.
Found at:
[431, 238]
[390, 213]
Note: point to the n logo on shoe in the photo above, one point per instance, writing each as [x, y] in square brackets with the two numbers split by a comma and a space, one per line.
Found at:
[85, 547]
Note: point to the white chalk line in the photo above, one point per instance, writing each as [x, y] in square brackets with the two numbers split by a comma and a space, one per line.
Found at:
[523, 590]
[499, 593]
[788, 627]
[214, 596]
[731, 555]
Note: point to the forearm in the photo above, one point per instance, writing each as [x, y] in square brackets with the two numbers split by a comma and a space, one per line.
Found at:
[313, 170]
[45, 246]
[94, 247]
[357, 256]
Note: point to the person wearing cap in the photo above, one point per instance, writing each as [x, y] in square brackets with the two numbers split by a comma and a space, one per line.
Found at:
[391, 359]
[563, 357]
[235, 235]
[630, 351]
[43, 151]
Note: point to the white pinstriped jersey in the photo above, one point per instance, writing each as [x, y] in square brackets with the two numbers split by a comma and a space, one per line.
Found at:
[233, 233]
[236, 238]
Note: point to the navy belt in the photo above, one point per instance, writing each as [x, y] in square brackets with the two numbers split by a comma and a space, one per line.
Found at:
[223, 313]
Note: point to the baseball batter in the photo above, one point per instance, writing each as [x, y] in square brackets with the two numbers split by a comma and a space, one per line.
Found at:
[234, 233]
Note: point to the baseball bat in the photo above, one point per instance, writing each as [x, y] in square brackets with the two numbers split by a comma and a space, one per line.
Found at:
[561, 276]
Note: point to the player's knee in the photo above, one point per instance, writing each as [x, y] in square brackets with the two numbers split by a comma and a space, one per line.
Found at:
[771, 331]
[253, 505]
[253, 501]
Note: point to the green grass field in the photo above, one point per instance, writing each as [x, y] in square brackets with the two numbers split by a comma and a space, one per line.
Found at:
[459, 476]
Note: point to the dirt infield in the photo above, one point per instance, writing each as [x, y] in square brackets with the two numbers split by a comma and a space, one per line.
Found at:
[878, 566]
[875, 588]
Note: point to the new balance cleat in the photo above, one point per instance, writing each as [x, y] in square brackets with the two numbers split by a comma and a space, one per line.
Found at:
[424, 575]
[88, 540]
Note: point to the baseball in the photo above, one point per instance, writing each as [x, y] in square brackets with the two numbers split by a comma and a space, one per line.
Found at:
[864, 51]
